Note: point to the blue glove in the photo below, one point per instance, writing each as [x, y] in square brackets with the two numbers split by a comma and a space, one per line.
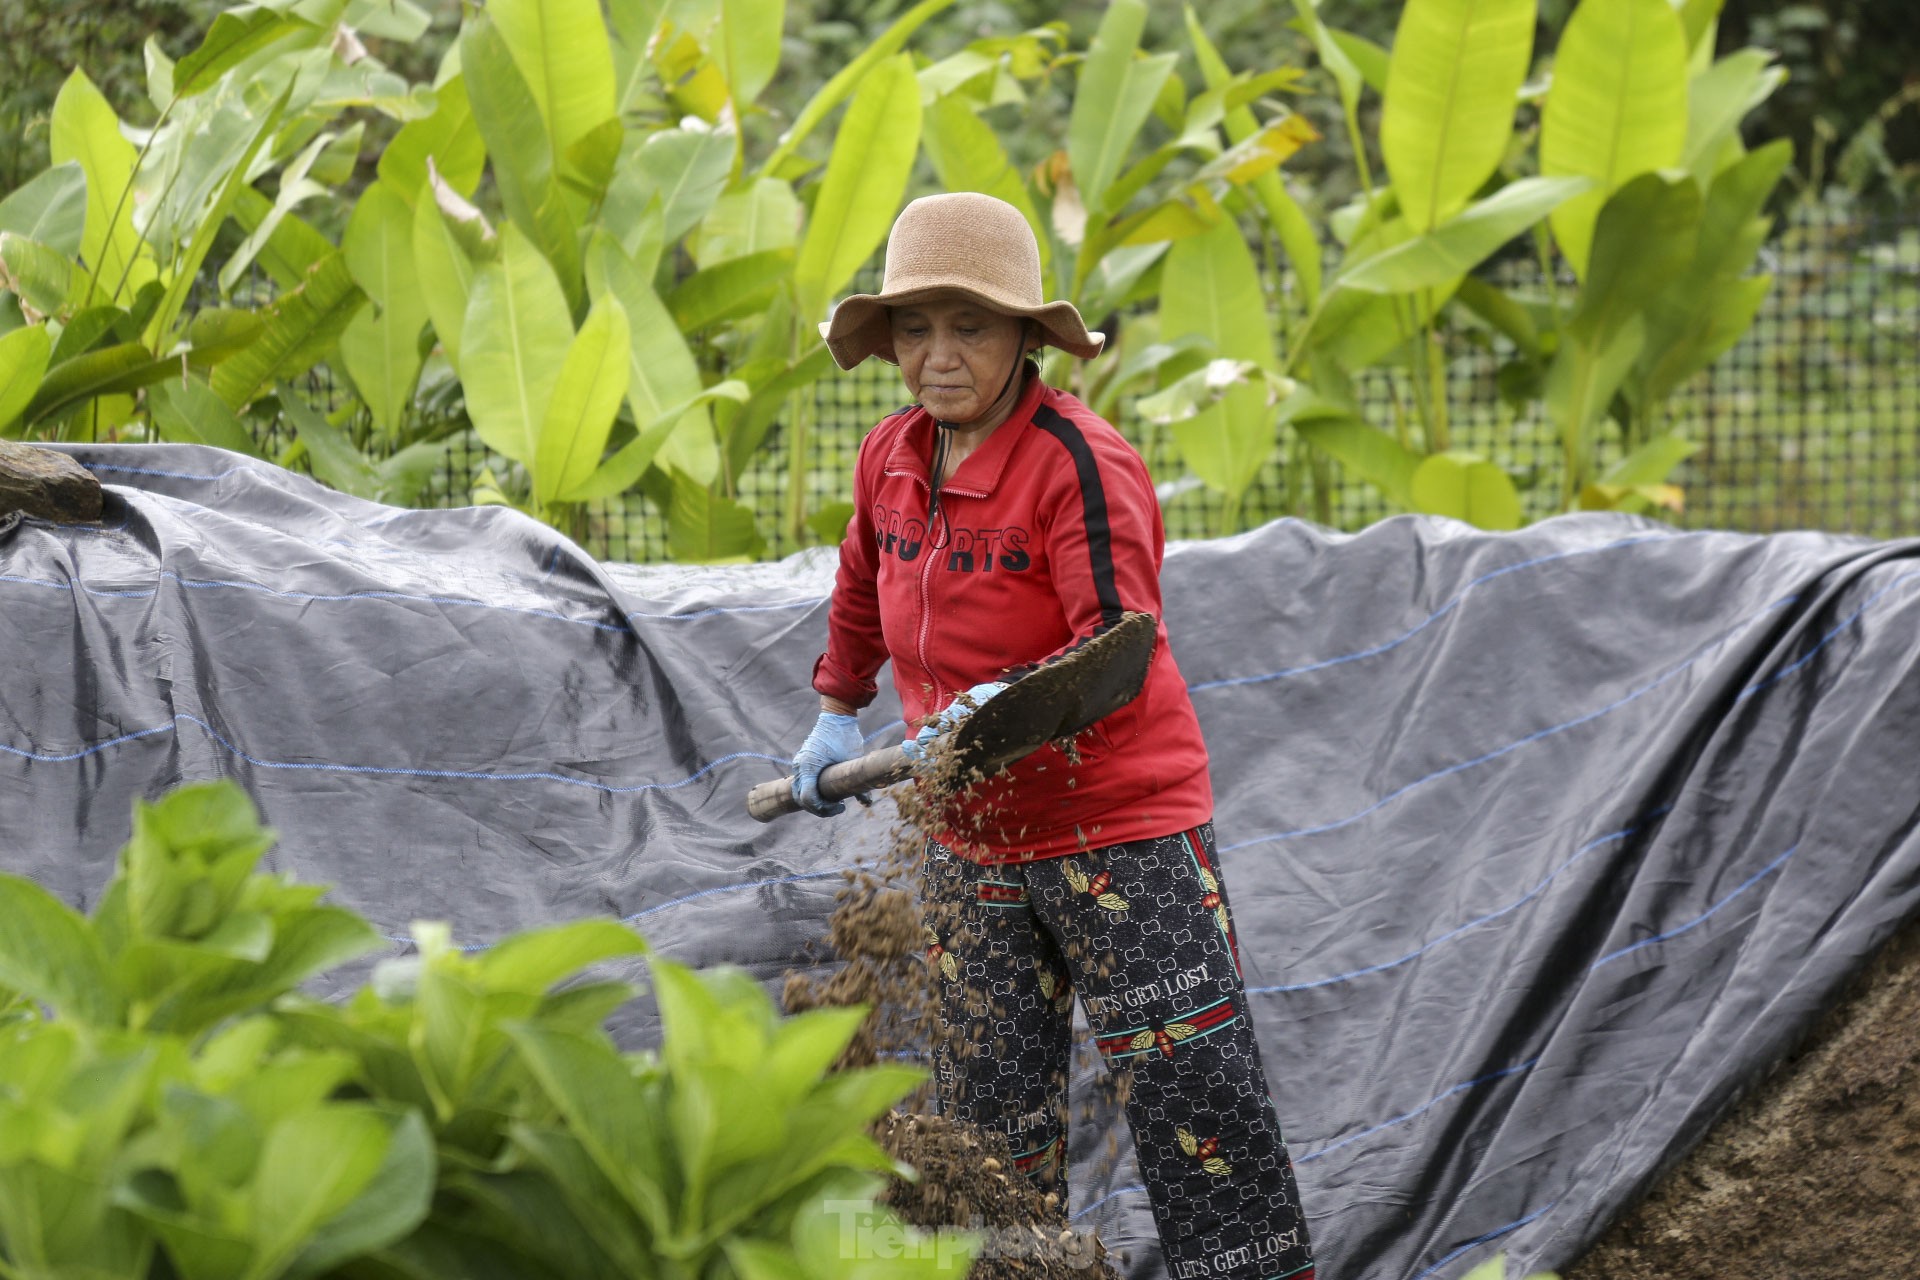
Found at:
[835, 738]
[950, 718]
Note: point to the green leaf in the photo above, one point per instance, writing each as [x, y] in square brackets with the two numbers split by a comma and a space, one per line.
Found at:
[190, 412]
[382, 345]
[1466, 487]
[967, 156]
[1367, 452]
[606, 1111]
[302, 327]
[747, 47]
[41, 276]
[1373, 63]
[1646, 236]
[728, 290]
[160, 333]
[335, 461]
[265, 226]
[217, 333]
[290, 247]
[524, 161]
[50, 208]
[850, 78]
[1114, 98]
[762, 217]
[750, 425]
[1457, 66]
[685, 169]
[443, 266]
[1289, 222]
[1440, 257]
[1581, 383]
[562, 51]
[866, 176]
[513, 344]
[48, 954]
[664, 375]
[313, 1165]
[235, 36]
[23, 363]
[391, 1205]
[1220, 299]
[1617, 108]
[450, 138]
[704, 528]
[85, 129]
[113, 370]
[1719, 99]
[1697, 16]
[593, 382]
[1702, 311]
[533, 961]
[1651, 463]
[829, 523]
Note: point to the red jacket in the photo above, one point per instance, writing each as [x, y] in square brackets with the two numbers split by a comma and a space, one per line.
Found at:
[1054, 532]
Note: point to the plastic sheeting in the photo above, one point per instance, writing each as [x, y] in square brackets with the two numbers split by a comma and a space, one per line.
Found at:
[1541, 845]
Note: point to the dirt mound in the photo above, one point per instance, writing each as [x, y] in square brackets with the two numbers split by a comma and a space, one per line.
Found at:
[1816, 1173]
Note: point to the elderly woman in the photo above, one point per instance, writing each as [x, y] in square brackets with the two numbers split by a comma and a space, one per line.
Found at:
[998, 523]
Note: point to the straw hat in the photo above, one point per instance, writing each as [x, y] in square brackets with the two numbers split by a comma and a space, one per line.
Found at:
[964, 243]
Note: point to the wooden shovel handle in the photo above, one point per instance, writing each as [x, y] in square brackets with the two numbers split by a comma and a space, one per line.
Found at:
[837, 781]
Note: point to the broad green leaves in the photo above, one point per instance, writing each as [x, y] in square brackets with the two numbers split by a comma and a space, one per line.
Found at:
[563, 54]
[51, 208]
[1443, 256]
[178, 1109]
[1617, 108]
[513, 344]
[1220, 300]
[382, 344]
[1457, 66]
[1116, 94]
[866, 176]
[593, 382]
[86, 131]
[23, 362]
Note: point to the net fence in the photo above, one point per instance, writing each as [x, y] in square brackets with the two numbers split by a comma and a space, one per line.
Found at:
[1810, 421]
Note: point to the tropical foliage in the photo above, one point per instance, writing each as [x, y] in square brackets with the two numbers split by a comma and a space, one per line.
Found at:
[171, 1106]
[575, 243]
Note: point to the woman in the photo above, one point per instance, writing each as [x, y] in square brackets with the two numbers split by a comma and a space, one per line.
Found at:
[998, 523]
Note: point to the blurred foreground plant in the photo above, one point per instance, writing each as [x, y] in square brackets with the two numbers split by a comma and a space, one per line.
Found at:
[170, 1105]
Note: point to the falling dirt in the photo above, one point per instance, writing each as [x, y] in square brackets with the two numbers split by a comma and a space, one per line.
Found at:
[965, 1175]
[1815, 1175]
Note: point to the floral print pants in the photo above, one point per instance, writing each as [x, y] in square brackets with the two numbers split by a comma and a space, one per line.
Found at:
[1141, 931]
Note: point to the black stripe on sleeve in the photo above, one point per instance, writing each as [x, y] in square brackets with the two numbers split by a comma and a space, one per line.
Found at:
[1093, 498]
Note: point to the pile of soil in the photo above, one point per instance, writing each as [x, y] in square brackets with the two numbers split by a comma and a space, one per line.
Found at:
[1816, 1173]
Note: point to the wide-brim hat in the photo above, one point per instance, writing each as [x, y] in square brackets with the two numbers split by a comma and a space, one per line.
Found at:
[964, 243]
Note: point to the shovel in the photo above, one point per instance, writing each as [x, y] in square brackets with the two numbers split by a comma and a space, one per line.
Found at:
[1051, 702]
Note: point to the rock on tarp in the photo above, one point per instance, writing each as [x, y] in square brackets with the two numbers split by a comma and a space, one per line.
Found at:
[1541, 845]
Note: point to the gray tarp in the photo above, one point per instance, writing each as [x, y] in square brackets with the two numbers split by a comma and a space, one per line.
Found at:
[1542, 845]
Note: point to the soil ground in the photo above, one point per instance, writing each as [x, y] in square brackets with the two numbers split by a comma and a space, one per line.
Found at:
[1815, 1174]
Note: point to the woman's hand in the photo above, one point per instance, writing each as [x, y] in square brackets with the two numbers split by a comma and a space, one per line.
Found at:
[951, 717]
[835, 739]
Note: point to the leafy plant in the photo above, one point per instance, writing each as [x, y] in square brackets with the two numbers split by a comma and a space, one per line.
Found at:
[170, 1105]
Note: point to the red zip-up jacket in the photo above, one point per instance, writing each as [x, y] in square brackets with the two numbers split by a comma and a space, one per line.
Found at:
[1050, 531]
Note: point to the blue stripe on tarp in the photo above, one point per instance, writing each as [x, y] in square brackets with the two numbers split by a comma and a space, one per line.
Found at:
[1511, 747]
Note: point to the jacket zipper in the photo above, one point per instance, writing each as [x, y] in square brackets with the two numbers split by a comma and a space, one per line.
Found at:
[926, 620]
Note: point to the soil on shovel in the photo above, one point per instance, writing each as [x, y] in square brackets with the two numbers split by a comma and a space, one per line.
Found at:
[1815, 1174]
[966, 1175]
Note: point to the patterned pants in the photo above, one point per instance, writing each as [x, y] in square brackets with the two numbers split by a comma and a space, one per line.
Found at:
[1141, 931]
